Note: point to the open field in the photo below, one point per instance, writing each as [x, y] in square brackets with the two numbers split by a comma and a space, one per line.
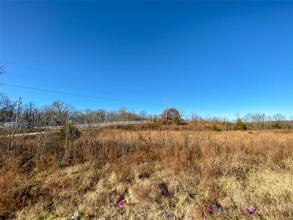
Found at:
[162, 174]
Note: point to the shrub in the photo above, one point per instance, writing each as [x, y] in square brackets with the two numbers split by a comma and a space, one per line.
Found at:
[215, 128]
[176, 120]
[69, 132]
[239, 125]
[276, 126]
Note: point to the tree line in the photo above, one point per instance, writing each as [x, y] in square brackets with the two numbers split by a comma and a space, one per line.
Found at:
[27, 115]
[256, 121]
[17, 114]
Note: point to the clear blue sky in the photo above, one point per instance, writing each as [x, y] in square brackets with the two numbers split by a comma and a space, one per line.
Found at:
[211, 58]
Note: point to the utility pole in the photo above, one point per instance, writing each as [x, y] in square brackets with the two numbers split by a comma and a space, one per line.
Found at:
[34, 118]
[18, 110]
[166, 103]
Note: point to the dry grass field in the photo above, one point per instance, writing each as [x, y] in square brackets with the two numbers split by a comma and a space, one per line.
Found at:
[161, 174]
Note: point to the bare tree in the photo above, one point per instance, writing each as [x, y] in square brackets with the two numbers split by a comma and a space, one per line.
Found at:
[123, 114]
[57, 113]
[7, 108]
[28, 114]
[279, 117]
[61, 112]
[101, 115]
[171, 113]
[280, 121]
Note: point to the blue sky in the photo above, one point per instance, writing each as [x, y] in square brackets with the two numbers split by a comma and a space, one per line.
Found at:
[212, 58]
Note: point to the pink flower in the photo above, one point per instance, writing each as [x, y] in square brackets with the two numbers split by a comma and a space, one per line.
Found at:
[249, 211]
[121, 202]
[210, 210]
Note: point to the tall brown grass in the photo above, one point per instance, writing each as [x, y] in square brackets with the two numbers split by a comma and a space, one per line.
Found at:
[179, 174]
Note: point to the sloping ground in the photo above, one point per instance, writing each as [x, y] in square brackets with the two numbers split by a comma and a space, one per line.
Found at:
[160, 175]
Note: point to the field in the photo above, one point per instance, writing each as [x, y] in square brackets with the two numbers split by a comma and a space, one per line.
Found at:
[160, 173]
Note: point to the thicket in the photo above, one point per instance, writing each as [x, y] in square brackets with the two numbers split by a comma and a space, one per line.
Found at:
[215, 128]
[239, 125]
[69, 132]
